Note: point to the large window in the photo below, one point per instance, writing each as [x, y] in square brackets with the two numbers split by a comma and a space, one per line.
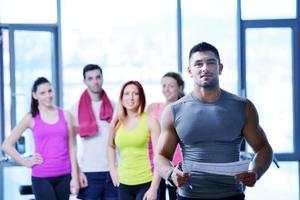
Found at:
[28, 54]
[126, 38]
[277, 184]
[29, 11]
[269, 86]
[204, 21]
[136, 39]
[270, 73]
[269, 83]
[29, 47]
[268, 9]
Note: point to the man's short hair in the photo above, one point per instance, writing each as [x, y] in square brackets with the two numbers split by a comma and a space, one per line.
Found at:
[90, 67]
[204, 46]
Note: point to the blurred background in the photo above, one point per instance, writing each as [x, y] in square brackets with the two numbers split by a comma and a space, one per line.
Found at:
[258, 41]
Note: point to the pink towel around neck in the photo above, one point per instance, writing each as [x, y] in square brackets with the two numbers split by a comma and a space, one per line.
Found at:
[86, 118]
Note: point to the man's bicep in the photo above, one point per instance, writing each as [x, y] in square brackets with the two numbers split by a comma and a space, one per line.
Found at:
[253, 132]
[168, 138]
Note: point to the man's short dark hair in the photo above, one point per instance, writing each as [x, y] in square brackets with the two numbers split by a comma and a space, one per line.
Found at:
[90, 67]
[204, 46]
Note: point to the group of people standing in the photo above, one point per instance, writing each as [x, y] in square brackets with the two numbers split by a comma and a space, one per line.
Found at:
[126, 147]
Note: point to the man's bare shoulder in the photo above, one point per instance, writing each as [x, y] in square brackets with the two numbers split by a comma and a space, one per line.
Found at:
[167, 115]
[186, 99]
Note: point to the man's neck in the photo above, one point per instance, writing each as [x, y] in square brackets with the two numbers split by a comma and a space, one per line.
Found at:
[95, 96]
[207, 95]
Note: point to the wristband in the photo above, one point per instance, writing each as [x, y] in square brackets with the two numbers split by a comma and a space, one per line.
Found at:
[168, 179]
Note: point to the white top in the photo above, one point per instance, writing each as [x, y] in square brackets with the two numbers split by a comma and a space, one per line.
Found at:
[228, 169]
[91, 151]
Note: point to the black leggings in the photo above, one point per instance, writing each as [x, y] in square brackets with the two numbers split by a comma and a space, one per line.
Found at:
[133, 192]
[163, 188]
[51, 188]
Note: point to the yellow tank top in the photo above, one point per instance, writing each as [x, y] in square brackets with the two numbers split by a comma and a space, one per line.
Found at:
[136, 154]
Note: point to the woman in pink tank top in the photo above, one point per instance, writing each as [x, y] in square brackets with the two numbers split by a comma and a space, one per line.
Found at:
[172, 89]
[54, 164]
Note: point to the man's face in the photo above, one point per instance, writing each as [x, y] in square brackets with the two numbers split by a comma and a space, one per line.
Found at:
[205, 69]
[94, 80]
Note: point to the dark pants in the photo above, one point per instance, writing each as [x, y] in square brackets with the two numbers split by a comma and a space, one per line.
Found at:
[51, 188]
[237, 197]
[133, 192]
[163, 188]
[100, 187]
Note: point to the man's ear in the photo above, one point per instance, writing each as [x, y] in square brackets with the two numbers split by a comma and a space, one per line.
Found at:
[189, 71]
[220, 68]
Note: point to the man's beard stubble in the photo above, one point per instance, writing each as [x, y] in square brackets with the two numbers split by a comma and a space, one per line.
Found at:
[210, 85]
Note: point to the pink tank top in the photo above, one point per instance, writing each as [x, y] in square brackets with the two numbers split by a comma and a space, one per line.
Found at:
[51, 142]
[156, 115]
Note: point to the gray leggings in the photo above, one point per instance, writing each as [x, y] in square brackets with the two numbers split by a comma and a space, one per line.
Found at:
[51, 188]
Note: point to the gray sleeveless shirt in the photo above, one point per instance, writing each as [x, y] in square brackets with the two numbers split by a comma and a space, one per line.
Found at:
[210, 132]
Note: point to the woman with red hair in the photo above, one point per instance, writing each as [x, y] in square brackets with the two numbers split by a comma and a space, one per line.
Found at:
[134, 134]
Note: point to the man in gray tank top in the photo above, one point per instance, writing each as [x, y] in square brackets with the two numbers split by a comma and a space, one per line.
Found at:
[210, 125]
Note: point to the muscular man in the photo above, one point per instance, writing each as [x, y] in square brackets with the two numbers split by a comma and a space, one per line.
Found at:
[210, 124]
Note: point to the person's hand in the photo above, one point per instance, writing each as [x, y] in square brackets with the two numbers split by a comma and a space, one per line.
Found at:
[74, 186]
[247, 178]
[83, 182]
[36, 159]
[179, 177]
[151, 194]
[114, 176]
